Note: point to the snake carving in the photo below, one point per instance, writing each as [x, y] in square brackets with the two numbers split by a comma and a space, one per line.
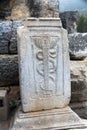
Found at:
[46, 65]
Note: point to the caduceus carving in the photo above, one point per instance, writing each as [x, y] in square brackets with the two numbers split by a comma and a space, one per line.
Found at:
[46, 53]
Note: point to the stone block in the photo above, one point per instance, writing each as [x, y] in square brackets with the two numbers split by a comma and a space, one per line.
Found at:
[8, 70]
[69, 20]
[13, 40]
[44, 8]
[55, 119]
[78, 80]
[41, 58]
[8, 36]
[4, 46]
[5, 35]
[78, 46]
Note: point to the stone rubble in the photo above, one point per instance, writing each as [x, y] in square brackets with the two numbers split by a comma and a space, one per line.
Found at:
[78, 46]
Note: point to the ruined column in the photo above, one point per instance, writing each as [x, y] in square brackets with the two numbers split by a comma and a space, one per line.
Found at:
[44, 74]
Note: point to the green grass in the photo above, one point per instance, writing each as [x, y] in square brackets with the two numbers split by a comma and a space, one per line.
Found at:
[82, 23]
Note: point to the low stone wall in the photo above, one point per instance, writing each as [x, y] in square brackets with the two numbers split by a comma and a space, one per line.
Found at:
[8, 36]
[78, 46]
[8, 40]
[9, 70]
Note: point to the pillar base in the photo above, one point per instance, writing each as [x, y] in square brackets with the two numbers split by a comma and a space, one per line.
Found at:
[55, 119]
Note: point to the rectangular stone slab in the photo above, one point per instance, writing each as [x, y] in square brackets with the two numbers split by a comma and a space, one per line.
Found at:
[43, 64]
[55, 119]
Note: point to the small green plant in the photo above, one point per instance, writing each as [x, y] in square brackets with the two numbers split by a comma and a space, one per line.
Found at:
[82, 24]
[12, 104]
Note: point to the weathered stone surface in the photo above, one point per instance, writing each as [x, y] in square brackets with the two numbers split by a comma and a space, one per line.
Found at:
[82, 112]
[4, 47]
[5, 36]
[8, 36]
[55, 119]
[43, 57]
[78, 45]
[14, 9]
[8, 70]
[5, 9]
[13, 40]
[20, 9]
[79, 80]
[44, 8]
[8, 40]
[78, 76]
[80, 108]
[69, 20]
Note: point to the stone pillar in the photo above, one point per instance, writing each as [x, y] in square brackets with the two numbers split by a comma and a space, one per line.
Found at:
[44, 76]
[44, 57]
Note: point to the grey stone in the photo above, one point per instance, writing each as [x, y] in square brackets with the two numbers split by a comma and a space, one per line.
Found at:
[78, 45]
[8, 36]
[5, 9]
[69, 20]
[5, 36]
[5, 29]
[79, 80]
[13, 46]
[8, 40]
[82, 112]
[44, 8]
[8, 70]
[13, 40]
[80, 108]
[4, 47]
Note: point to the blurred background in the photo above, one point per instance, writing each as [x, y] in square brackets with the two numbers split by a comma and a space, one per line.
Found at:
[68, 5]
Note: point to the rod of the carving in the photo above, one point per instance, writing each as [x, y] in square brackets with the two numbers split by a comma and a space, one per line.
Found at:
[46, 66]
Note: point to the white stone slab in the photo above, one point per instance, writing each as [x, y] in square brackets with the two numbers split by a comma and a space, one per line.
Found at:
[55, 119]
[44, 65]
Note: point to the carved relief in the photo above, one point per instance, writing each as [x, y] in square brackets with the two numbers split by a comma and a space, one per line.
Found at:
[46, 64]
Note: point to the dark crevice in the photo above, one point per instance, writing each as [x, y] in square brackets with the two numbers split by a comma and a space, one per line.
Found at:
[1, 103]
[35, 8]
[5, 9]
[9, 47]
[9, 42]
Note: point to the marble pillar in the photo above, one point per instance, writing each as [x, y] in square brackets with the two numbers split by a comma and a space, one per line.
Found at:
[44, 76]
[44, 65]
